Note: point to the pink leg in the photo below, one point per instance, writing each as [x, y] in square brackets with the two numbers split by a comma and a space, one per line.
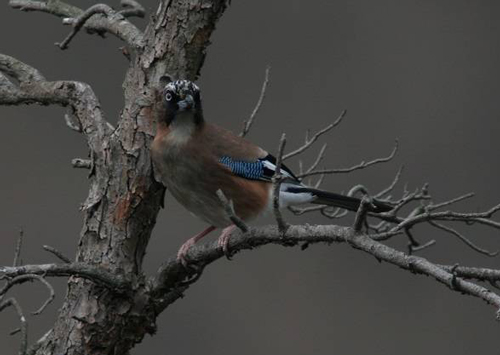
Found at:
[181, 254]
[224, 239]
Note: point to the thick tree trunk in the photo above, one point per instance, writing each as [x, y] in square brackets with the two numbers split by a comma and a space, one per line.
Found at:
[124, 198]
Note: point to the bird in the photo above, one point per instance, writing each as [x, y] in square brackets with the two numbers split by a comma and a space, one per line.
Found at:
[194, 159]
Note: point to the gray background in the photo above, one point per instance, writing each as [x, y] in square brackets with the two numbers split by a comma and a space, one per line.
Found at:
[424, 71]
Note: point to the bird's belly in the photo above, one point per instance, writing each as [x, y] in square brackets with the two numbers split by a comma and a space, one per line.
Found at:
[189, 190]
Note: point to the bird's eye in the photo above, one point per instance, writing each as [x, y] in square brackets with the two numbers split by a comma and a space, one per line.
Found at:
[168, 96]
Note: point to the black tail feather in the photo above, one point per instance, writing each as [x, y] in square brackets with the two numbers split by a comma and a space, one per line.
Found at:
[342, 201]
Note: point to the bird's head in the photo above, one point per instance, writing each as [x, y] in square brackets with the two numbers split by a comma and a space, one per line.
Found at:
[182, 100]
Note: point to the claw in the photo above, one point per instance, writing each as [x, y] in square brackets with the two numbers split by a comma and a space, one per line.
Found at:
[223, 240]
[182, 253]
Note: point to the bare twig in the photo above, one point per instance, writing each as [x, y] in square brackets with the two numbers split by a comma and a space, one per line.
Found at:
[57, 253]
[480, 217]
[359, 166]
[78, 22]
[381, 227]
[34, 347]
[361, 213]
[17, 254]
[464, 239]
[309, 142]
[33, 88]
[301, 210]
[248, 124]
[228, 205]
[335, 214]
[319, 181]
[320, 157]
[132, 8]
[51, 297]
[277, 179]
[25, 278]
[408, 197]
[433, 207]
[57, 8]
[421, 247]
[391, 186]
[358, 189]
[412, 241]
[24, 324]
[115, 23]
[115, 282]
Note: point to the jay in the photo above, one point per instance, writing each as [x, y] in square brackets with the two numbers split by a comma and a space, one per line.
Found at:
[194, 158]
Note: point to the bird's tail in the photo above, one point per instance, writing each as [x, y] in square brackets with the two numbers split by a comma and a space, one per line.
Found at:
[342, 201]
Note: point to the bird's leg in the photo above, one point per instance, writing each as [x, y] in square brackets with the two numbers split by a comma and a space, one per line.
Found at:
[181, 254]
[224, 239]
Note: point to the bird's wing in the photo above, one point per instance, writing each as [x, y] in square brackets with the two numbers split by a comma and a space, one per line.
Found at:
[261, 169]
[242, 157]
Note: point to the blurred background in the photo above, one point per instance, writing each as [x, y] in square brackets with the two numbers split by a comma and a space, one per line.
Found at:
[421, 71]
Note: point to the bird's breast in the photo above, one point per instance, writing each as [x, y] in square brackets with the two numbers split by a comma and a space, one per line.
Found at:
[192, 173]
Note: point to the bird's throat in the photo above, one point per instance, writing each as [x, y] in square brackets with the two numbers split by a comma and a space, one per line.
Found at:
[182, 128]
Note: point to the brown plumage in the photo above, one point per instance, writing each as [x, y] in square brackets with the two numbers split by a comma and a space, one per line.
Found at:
[194, 159]
[192, 172]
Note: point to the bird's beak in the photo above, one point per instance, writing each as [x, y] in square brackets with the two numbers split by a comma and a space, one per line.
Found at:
[186, 104]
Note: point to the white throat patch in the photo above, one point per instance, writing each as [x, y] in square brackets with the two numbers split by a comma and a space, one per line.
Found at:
[182, 128]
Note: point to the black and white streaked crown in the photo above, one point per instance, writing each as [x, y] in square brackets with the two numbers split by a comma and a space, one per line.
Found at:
[182, 87]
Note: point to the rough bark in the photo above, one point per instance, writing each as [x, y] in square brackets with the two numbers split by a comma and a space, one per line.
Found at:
[124, 198]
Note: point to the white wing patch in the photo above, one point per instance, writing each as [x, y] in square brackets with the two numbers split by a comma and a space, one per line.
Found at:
[290, 198]
[271, 166]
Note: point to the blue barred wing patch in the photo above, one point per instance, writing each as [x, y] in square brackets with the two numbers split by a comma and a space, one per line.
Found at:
[261, 169]
[249, 170]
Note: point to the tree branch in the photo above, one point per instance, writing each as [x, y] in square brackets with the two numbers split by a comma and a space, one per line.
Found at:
[57, 253]
[480, 274]
[132, 8]
[277, 179]
[464, 239]
[167, 286]
[248, 124]
[229, 207]
[359, 166]
[33, 88]
[114, 23]
[29, 277]
[98, 275]
[309, 142]
[17, 253]
[24, 324]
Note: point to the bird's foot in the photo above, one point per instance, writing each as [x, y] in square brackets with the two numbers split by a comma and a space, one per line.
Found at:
[182, 253]
[223, 240]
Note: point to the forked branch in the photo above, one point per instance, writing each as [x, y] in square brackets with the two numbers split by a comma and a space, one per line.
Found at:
[115, 22]
[360, 166]
[310, 141]
[19, 274]
[109, 20]
[23, 84]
